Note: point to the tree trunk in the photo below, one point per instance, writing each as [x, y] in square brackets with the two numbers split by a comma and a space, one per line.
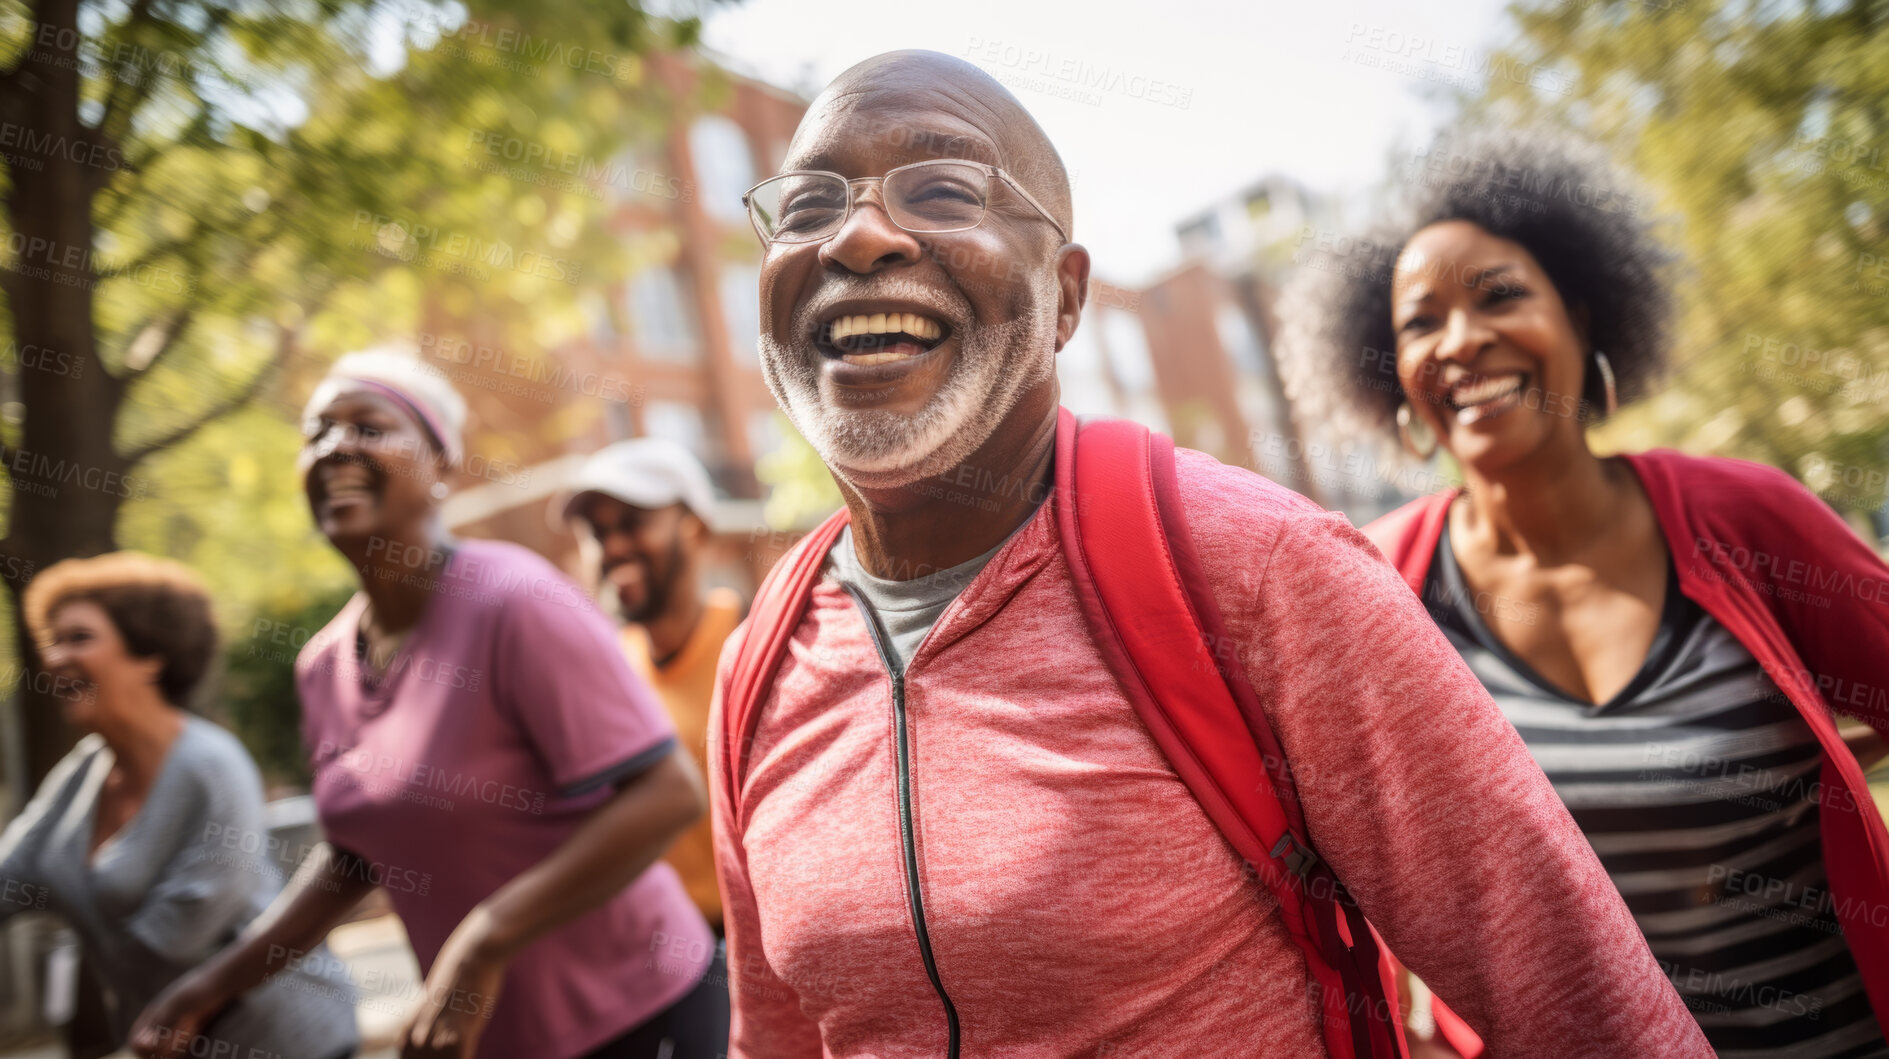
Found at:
[68, 480]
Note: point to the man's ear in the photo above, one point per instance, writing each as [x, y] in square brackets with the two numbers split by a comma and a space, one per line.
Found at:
[1072, 280]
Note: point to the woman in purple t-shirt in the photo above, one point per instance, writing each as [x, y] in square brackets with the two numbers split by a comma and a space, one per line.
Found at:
[482, 751]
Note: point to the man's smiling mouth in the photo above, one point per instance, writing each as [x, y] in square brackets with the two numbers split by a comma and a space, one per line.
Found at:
[867, 339]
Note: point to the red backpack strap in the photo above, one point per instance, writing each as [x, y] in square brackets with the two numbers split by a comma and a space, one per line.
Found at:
[778, 605]
[1152, 615]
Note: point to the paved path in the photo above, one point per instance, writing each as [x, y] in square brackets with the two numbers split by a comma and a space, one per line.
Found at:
[383, 968]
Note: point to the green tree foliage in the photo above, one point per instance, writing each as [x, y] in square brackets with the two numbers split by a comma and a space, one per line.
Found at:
[258, 689]
[1763, 131]
[801, 490]
[205, 200]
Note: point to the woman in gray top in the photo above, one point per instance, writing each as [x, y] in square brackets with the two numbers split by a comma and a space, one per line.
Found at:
[148, 838]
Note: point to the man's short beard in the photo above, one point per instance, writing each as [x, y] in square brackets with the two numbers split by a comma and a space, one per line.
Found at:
[656, 599]
[996, 364]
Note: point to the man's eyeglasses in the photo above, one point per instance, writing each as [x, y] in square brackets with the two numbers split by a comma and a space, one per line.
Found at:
[924, 198]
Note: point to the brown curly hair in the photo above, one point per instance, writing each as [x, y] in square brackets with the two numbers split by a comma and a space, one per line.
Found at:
[160, 608]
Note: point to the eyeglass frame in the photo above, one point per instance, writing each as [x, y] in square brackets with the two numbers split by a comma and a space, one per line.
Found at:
[851, 196]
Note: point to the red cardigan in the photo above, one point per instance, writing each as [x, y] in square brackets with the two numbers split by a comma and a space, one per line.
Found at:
[1810, 601]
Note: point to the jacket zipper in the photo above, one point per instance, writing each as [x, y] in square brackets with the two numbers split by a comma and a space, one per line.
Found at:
[906, 834]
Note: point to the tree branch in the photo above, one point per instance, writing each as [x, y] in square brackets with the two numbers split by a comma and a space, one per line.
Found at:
[140, 160]
[230, 403]
[183, 316]
[128, 95]
[174, 329]
[284, 352]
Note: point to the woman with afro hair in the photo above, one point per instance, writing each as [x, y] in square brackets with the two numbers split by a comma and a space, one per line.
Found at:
[1672, 636]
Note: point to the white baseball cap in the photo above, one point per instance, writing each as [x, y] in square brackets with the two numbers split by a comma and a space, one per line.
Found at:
[647, 473]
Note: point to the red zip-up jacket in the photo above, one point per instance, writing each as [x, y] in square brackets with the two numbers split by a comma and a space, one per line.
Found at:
[1781, 572]
[996, 843]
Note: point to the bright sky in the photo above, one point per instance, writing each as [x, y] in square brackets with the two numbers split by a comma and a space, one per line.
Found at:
[1173, 111]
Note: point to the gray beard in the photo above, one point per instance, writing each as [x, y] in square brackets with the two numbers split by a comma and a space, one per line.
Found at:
[869, 448]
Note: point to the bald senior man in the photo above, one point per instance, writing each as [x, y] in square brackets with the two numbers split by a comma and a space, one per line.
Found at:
[955, 835]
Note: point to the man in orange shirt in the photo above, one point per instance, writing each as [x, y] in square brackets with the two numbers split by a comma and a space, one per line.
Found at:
[640, 509]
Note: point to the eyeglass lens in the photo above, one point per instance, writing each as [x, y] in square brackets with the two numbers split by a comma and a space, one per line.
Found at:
[935, 197]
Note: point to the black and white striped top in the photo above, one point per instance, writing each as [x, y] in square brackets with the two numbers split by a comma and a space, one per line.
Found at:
[1697, 786]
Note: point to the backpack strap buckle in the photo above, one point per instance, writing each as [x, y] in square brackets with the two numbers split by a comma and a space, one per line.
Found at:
[1298, 857]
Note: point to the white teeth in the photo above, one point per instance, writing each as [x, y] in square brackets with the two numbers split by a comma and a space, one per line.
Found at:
[886, 324]
[874, 358]
[347, 483]
[1484, 390]
[1485, 397]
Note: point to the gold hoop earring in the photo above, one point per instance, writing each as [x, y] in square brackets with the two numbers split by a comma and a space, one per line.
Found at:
[1408, 427]
[1607, 382]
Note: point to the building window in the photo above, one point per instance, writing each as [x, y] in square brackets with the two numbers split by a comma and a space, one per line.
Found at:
[662, 316]
[724, 166]
[1200, 237]
[741, 311]
[677, 422]
[597, 322]
[1239, 338]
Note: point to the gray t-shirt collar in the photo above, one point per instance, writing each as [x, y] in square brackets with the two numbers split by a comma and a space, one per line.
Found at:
[907, 609]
